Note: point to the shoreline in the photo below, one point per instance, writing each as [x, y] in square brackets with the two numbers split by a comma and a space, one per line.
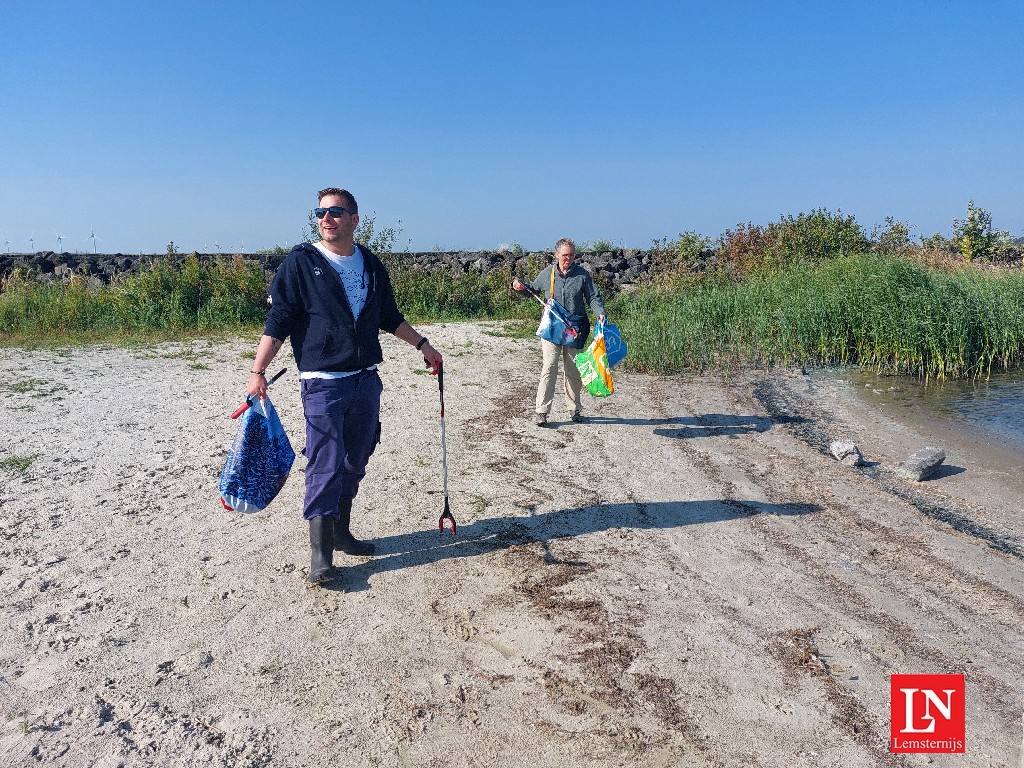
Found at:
[938, 407]
[986, 449]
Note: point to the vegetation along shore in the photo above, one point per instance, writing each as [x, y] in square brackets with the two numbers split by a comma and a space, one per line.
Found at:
[809, 289]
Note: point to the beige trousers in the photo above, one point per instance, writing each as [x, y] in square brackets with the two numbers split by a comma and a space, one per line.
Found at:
[572, 383]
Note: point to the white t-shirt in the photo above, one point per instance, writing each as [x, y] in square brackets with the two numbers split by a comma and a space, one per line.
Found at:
[353, 276]
[351, 270]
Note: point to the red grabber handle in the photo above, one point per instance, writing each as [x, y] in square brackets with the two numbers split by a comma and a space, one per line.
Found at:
[242, 408]
[248, 401]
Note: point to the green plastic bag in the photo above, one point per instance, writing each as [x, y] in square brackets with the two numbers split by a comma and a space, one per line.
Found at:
[593, 366]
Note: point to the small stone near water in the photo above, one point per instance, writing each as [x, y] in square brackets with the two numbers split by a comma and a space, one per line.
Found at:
[847, 452]
[921, 464]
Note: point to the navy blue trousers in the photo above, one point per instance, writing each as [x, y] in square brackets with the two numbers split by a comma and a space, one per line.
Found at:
[342, 431]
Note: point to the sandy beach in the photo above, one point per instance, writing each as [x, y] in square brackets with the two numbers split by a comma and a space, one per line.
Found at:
[687, 579]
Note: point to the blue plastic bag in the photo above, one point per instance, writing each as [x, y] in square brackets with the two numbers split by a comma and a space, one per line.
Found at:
[614, 346]
[556, 324]
[258, 461]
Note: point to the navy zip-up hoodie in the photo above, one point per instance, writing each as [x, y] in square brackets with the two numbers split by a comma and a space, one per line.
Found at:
[308, 303]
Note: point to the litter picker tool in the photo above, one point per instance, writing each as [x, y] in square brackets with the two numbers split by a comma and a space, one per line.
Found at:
[447, 514]
[248, 400]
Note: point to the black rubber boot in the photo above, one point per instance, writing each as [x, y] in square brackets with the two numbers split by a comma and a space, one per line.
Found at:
[321, 547]
[344, 541]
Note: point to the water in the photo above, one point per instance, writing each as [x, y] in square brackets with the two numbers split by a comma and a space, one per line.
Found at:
[992, 409]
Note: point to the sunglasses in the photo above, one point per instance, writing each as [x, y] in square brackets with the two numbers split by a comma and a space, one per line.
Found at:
[336, 212]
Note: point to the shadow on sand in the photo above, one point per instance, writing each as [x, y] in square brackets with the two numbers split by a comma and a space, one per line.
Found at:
[497, 533]
[715, 425]
[946, 470]
[706, 425]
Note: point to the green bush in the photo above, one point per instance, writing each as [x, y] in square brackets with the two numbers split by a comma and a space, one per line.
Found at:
[683, 253]
[744, 249]
[807, 238]
[599, 246]
[891, 240]
[974, 236]
[677, 262]
[277, 250]
[810, 238]
[939, 243]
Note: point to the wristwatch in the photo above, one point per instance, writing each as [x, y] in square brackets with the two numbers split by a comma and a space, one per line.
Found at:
[421, 342]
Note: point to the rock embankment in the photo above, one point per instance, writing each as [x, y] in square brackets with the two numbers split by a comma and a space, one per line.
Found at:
[616, 270]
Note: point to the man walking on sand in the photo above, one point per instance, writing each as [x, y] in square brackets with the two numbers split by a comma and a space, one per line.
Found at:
[571, 286]
[333, 298]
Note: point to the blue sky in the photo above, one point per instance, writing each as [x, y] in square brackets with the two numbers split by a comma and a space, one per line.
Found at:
[476, 124]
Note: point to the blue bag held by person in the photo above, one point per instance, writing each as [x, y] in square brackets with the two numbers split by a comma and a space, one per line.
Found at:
[258, 461]
[614, 346]
[556, 324]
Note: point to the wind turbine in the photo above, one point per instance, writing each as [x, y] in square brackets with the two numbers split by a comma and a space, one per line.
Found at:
[92, 234]
[7, 244]
[216, 245]
[60, 239]
[32, 243]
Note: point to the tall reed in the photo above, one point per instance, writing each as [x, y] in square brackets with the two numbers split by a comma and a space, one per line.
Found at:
[892, 314]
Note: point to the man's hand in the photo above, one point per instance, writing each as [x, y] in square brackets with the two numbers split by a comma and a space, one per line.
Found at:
[431, 358]
[602, 318]
[257, 386]
[266, 350]
[516, 285]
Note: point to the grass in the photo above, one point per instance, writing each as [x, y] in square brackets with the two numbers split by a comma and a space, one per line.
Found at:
[23, 722]
[272, 668]
[891, 314]
[36, 388]
[887, 312]
[447, 295]
[23, 387]
[18, 464]
[516, 329]
[204, 298]
[165, 301]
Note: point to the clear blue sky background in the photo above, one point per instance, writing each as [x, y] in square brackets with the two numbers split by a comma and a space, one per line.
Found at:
[479, 123]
